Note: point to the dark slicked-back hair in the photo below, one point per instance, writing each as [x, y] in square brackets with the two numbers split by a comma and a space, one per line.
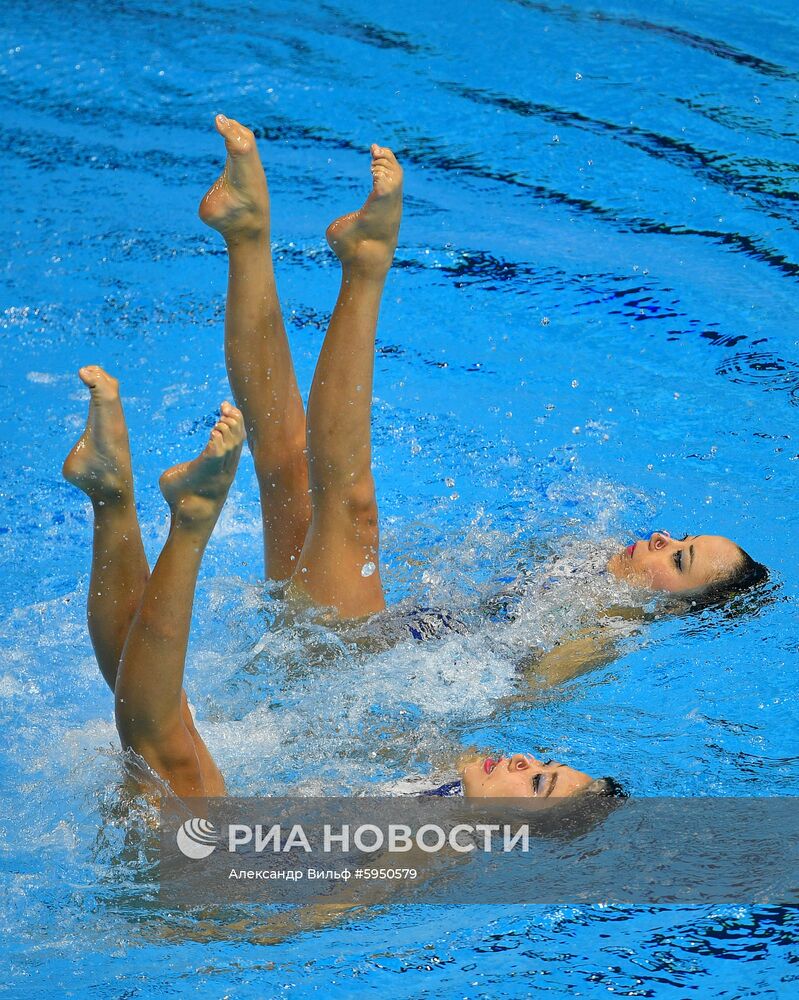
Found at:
[608, 787]
[745, 575]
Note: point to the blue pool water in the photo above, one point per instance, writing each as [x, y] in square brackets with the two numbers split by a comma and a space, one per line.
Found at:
[590, 332]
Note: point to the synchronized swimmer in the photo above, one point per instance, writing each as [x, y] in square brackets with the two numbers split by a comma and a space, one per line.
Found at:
[314, 470]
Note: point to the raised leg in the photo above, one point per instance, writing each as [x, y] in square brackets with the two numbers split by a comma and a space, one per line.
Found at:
[257, 351]
[99, 464]
[149, 688]
[339, 564]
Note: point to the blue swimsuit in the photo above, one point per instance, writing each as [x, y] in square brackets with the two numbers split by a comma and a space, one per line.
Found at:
[446, 791]
[430, 623]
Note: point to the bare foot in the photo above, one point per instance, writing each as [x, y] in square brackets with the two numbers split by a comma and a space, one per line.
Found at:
[196, 491]
[99, 464]
[237, 203]
[367, 239]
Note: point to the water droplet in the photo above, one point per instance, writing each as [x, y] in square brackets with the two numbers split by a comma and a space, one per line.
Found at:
[368, 568]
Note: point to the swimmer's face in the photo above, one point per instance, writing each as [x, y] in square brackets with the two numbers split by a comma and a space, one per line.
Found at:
[675, 565]
[521, 777]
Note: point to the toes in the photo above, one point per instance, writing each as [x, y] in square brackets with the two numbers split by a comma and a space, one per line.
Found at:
[98, 381]
[383, 153]
[233, 419]
[216, 442]
[229, 429]
[385, 168]
[90, 375]
[238, 138]
[224, 125]
[231, 424]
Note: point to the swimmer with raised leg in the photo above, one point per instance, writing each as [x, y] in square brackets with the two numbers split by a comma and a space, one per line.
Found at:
[323, 547]
[330, 551]
[257, 353]
[139, 623]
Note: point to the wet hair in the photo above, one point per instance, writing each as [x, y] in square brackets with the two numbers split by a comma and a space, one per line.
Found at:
[745, 575]
[607, 788]
[575, 815]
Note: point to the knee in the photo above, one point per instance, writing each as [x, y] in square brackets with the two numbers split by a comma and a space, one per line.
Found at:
[361, 503]
[349, 506]
[279, 466]
[185, 713]
[134, 726]
[165, 747]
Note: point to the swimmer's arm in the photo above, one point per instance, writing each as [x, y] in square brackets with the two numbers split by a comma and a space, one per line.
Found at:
[276, 929]
[585, 650]
[570, 658]
[299, 920]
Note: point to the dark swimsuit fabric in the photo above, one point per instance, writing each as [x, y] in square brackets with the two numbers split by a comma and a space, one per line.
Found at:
[451, 788]
[431, 623]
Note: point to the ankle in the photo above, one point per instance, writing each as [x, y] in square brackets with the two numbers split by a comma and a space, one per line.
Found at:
[248, 238]
[195, 515]
[365, 272]
[112, 502]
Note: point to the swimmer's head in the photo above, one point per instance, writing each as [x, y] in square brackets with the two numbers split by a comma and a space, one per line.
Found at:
[710, 566]
[522, 776]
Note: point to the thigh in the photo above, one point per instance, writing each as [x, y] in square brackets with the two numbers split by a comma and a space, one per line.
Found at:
[286, 515]
[339, 564]
[213, 782]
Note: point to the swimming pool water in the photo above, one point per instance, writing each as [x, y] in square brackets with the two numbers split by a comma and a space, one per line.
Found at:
[589, 332]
